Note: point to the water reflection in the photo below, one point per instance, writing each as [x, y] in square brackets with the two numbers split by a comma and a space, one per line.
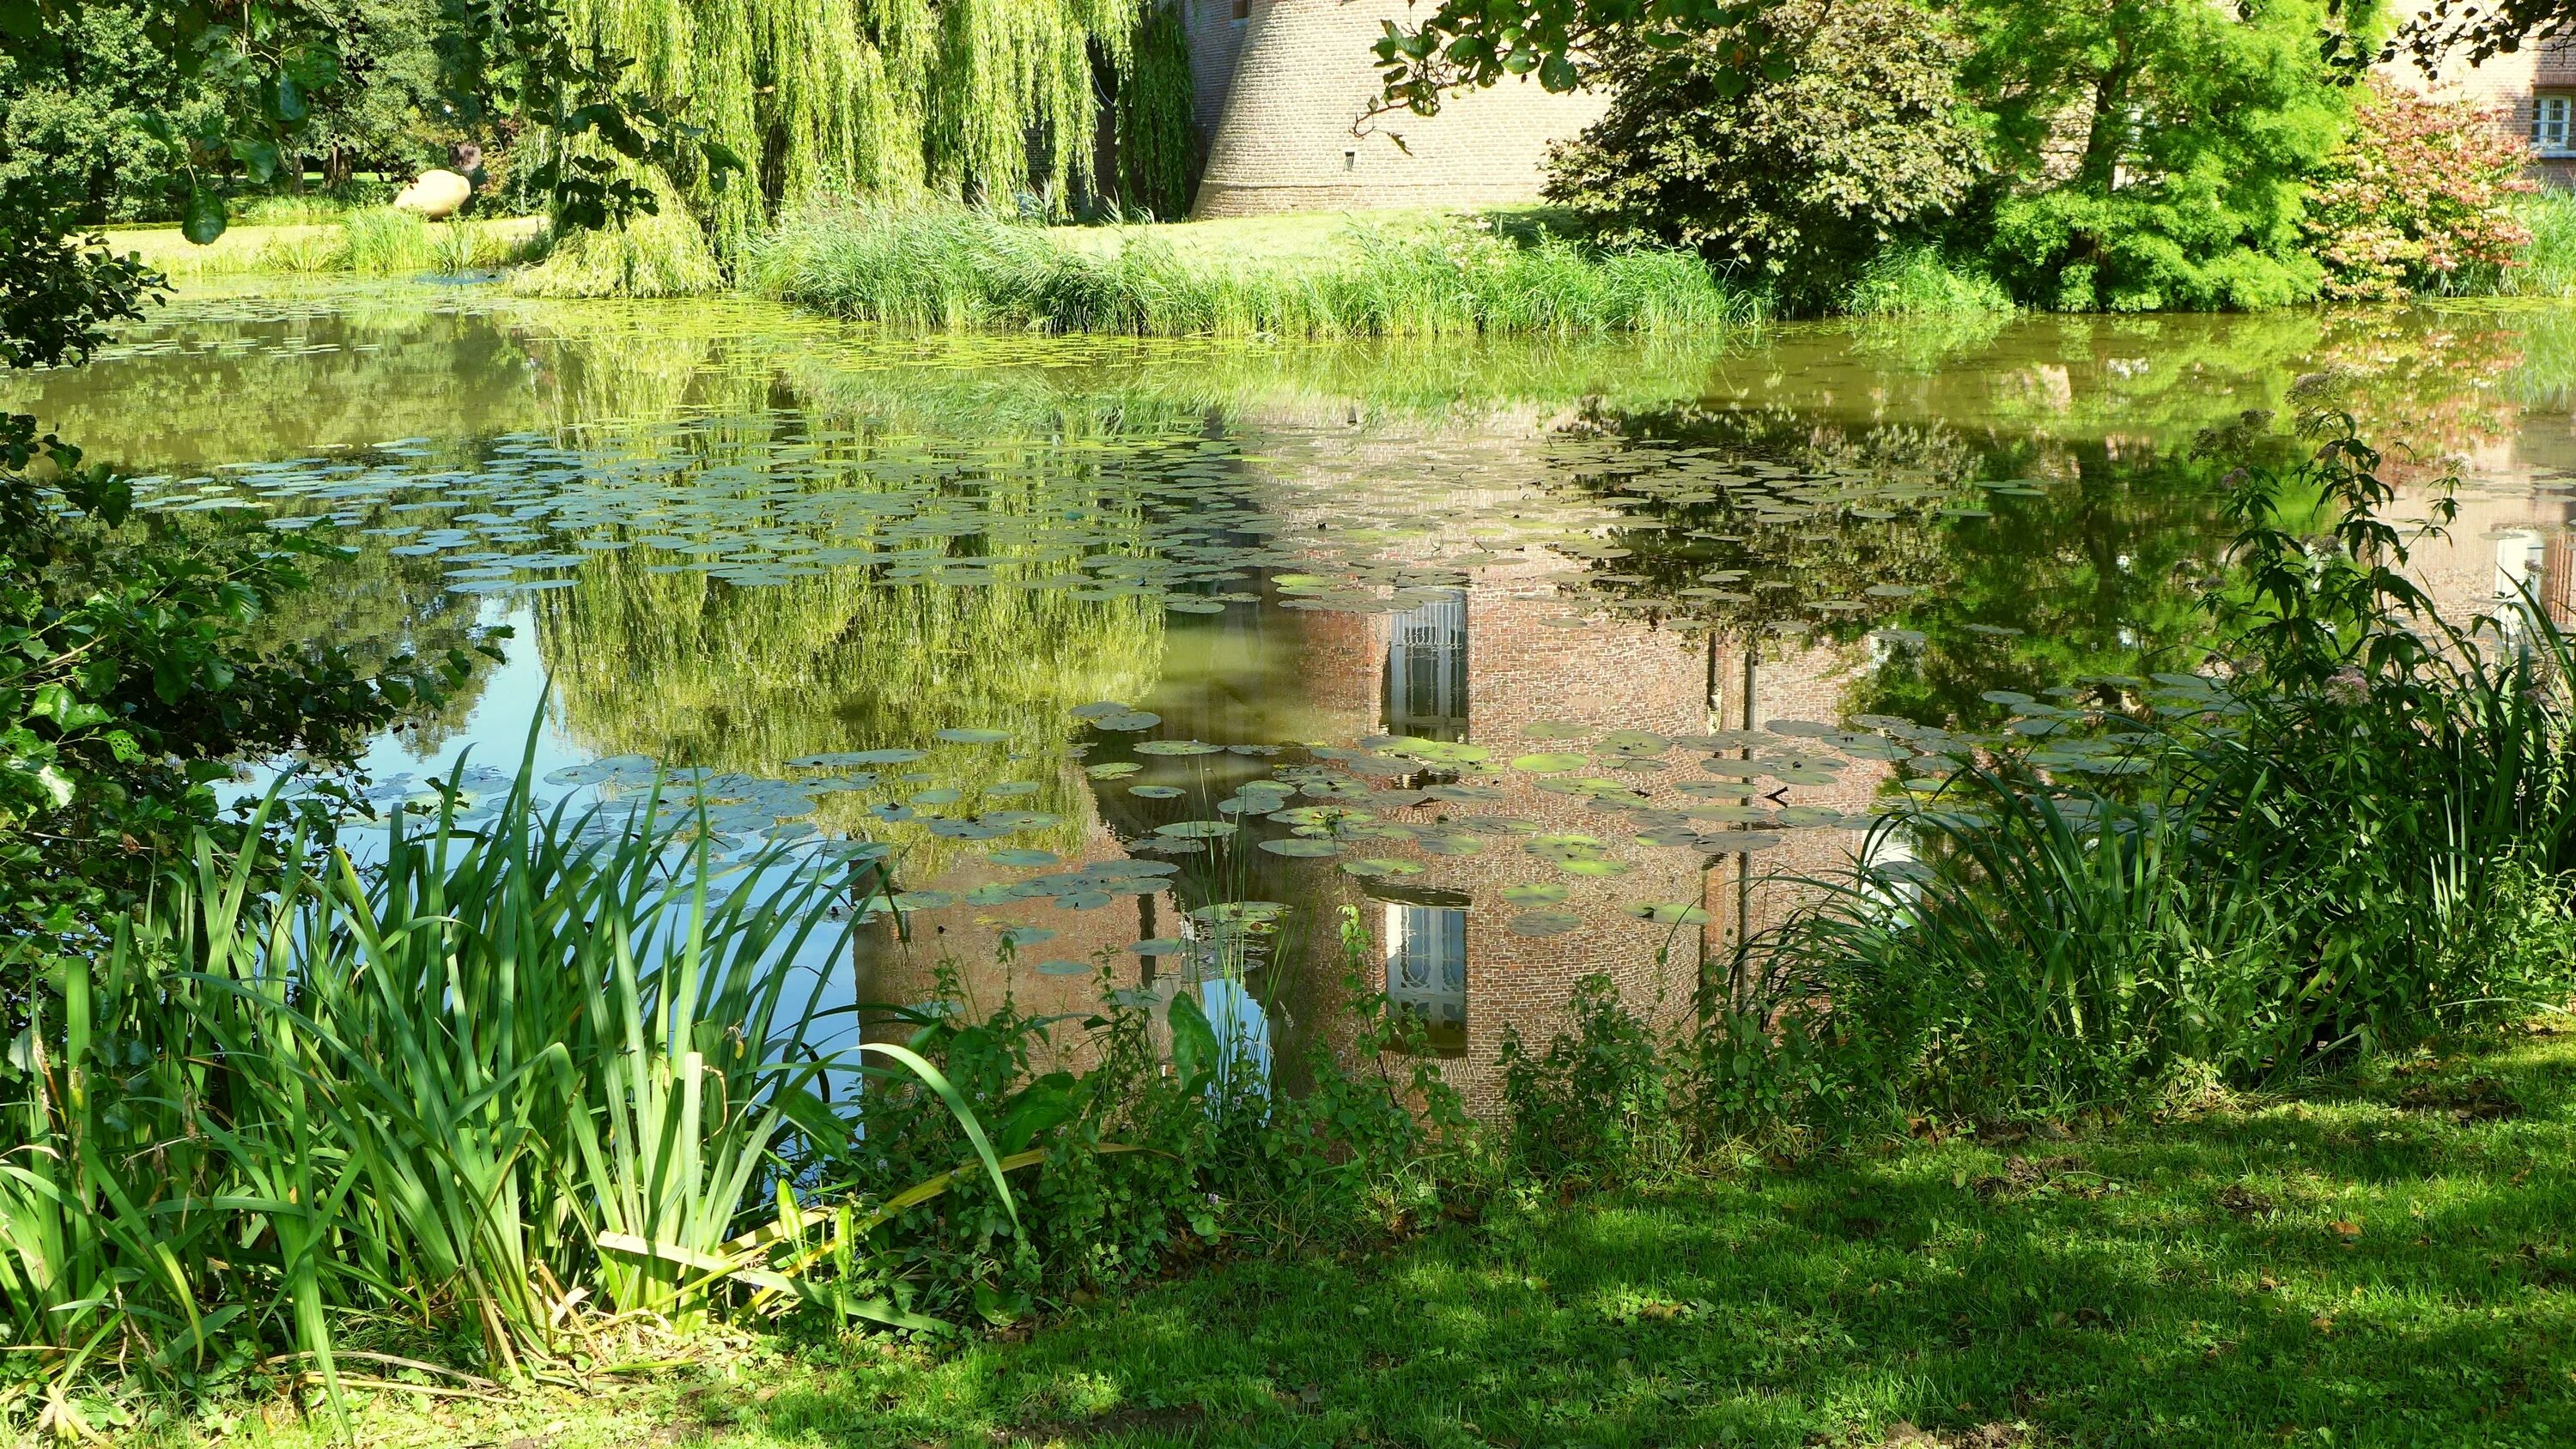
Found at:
[1162, 662]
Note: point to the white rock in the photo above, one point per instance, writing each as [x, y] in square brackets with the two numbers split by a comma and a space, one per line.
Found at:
[435, 195]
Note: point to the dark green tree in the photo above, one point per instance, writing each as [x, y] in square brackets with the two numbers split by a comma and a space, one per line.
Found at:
[1861, 140]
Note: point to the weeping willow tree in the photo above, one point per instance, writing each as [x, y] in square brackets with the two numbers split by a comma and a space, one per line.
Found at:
[1157, 144]
[974, 100]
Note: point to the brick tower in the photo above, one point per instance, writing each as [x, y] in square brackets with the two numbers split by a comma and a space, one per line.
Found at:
[1281, 82]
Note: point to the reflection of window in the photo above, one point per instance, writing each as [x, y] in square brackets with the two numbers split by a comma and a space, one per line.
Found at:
[1426, 971]
[1426, 669]
[2551, 118]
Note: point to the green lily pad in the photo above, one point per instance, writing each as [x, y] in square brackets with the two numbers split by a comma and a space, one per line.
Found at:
[1543, 923]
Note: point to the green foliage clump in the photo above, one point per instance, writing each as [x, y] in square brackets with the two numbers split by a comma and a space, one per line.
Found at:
[1129, 1165]
[2546, 264]
[1920, 281]
[1797, 180]
[133, 676]
[1157, 141]
[1599, 1096]
[2160, 149]
[2420, 198]
[959, 268]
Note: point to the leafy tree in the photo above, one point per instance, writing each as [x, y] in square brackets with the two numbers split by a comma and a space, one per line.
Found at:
[2418, 197]
[2164, 147]
[1862, 138]
[130, 671]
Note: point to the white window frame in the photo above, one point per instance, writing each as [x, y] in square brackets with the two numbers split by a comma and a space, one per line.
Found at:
[2553, 124]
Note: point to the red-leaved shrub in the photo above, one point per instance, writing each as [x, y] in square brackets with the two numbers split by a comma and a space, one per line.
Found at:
[2417, 196]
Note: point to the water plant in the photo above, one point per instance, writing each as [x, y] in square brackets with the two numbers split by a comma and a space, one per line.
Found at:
[528, 1081]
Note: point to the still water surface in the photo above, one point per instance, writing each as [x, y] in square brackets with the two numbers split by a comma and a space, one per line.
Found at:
[1158, 657]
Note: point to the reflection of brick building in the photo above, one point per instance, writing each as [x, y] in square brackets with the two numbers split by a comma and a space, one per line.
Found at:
[1484, 665]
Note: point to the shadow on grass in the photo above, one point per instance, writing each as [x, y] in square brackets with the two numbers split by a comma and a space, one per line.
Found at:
[2382, 1268]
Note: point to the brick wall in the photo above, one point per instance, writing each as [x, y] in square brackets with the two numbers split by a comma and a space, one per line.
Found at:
[2506, 85]
[1216, 38]
[1297, 76]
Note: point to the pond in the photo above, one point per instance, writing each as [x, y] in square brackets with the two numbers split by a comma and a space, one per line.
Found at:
[1495, 665]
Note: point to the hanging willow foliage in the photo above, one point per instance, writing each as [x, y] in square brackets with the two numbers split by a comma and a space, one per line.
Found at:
[975, 100]
[1157, 144]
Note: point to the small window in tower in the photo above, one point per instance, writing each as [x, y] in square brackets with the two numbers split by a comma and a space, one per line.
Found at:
[2552, 133]
[1242, 11]
[1350, 160]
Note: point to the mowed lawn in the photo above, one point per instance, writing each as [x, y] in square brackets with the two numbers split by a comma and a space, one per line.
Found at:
[2393, 1265]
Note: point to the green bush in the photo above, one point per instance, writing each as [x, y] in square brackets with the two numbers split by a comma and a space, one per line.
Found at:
[1796, 181]
[1919, 281]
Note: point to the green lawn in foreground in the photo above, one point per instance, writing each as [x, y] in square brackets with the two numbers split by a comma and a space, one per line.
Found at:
[2383, 1267]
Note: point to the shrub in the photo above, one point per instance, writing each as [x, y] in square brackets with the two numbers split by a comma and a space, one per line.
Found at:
[2419, 198]
[1797, 180]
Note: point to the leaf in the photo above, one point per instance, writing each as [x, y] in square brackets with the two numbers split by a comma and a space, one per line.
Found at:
[203, 218]
[1042, 1105]
[19, 19]
[1194, 1046]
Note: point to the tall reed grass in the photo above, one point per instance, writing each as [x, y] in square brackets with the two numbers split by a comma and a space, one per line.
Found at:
[1918, 281]
[2548, 260]
[2358, 835]
[962, 269]
[551, 1084]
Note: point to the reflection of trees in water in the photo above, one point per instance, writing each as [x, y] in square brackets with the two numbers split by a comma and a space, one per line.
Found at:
[1761, 523]
[2095, 567]
[2102, 574]
[262, 386]
[691, 670]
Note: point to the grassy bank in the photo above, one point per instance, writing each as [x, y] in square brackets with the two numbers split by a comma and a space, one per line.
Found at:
[372, 242]
[1414, 276]
[2381, 1264]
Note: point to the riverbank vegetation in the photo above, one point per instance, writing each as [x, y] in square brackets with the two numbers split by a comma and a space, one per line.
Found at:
[2247, 173]
[582, 1101]
[958, 268]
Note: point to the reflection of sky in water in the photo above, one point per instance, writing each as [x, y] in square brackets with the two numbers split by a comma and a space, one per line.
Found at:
[1420, 590]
